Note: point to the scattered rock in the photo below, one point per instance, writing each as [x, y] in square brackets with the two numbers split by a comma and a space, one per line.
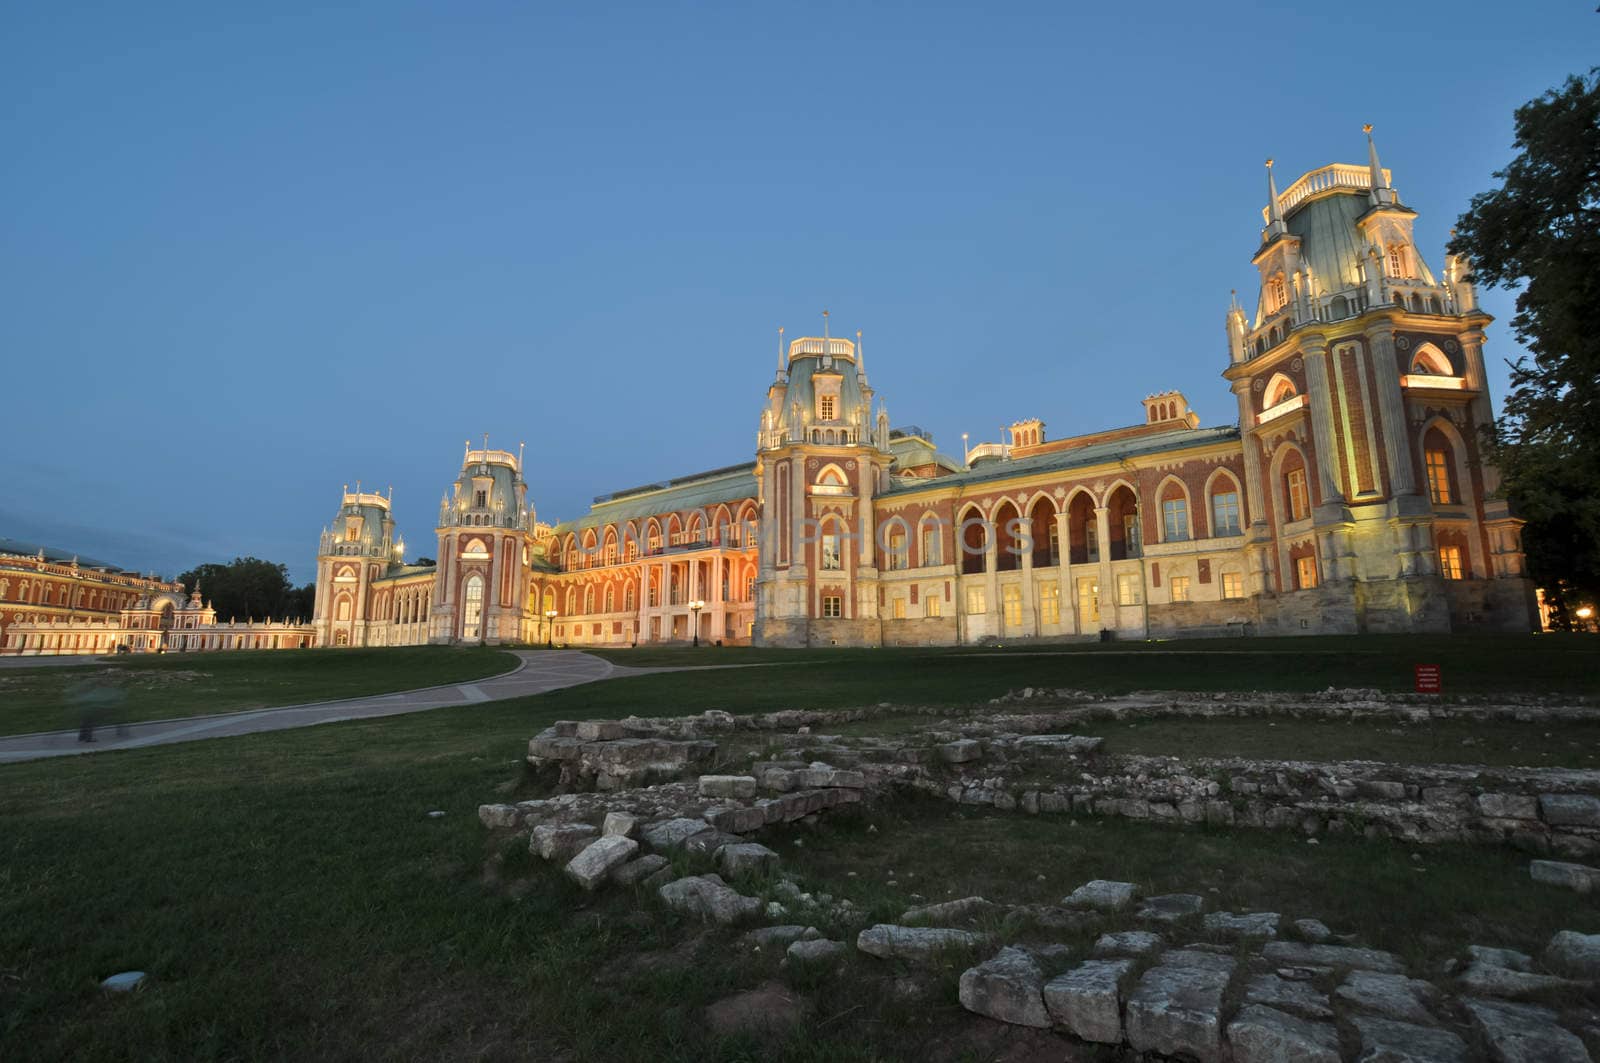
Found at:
[709, 841]
[1522, 1033]
[1128, 943]
[816, 951]
[1102, 895]
[672, 833]
[946, 912]
[1570, 810]
[1393, 996]
[727, 786]
[1261, 1034]
[1578, 877]
[598, 859]
[560, 842]
[1249, 925]
[889, 942]
[1387, 1041]
[707, 897]
[746, 858]
[1171, 907]
[1177, 1007]
[625, 824]
[1510, 959]
[961, 751]
[1313, 930]
[1488, 980]
[636, 871]
[764, 936]
[1294, 954]
[1296, 997]
[1087, 999]
[124, 982]
[1575, 954]
[1008, 987]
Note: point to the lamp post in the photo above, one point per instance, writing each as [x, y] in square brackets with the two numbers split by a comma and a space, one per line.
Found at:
[549, 627]
[694, 611]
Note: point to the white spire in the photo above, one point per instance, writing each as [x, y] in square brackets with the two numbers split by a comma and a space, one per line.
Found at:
[1381, 193]
[1275, 226]
[781, 366]
[861, 359]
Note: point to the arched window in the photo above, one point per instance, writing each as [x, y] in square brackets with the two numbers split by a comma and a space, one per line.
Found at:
[1226, 516]
[1174, 513]
[1277, 294]
[1396, 261]
[1296, 493]
[588, 600]
[899, 555]
[930, 542]
[628, 599]
[1339, 307]
[1431, 361]
[611, 599]
[472, 611]
[572, 600]
[1280, 389]
[1437, 456]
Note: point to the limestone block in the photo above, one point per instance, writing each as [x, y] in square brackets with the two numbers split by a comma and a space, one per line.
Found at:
[708, 898]
[1177, 1008]
[1171, 907]
[1388, 1041]
[946, 912]
[1248, 925]
[1489, 980]
[1008, 987]
[1393, 996]
[1102, 895]
[560, 842]
[1265, 1035]
[1128, 943]
[816, 951]
[1313, 930]
[727, 786]
[826, 777]
[1570, 810]
[786, 935]
[600, 730]
[1578, 877]
[1087, 999]
[708, 842]
[625, 824]
[552, 748]
[1522, 1033]
[889, 942]
[1296, 997]
[636, 871]
[1294, 954]
[746, 858]
[598, 859]
[1508, 806]
[497, 817]
[672, 833]
[736, 820]
[962, 751]
[1574, 954]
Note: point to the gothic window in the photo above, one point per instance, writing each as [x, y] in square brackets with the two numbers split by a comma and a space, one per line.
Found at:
[1049, 602]
[480, 499]
[898, 557]
[830, 551]
[1225, 513]
[628, 599]
[932, 552]
[1011, 604]
[1396, 261]
[1299, 502]
[472, 613]
[588, 599]
[1438, 462]
[1277, 296]
[1305, 572]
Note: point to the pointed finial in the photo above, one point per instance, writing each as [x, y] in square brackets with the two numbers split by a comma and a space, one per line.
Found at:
[825, 331]
[780, 350]
[861, 356]
[521, 448]
[466, 448]
[1274, 218]
[1372, 159]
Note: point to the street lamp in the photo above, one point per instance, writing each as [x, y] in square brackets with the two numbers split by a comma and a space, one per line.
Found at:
[549, 627]
[694, 609]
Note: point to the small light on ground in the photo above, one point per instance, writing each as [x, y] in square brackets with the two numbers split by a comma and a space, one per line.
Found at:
[124, 982]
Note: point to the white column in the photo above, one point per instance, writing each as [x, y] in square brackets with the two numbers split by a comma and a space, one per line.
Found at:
[1321, 398]
[1109, 617]
[1391, 403]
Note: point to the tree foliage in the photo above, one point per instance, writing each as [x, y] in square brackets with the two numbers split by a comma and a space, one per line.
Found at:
[1540, 232]
[249, 588]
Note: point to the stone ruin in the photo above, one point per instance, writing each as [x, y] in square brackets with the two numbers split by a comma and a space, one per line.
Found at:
[638, 792]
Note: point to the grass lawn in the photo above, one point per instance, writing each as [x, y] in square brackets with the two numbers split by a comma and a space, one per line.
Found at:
[292, 898]
[156, 688]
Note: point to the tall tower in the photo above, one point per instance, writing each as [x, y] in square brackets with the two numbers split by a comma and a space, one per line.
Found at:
[822, 456]
[1361, 395]
[485, 530]
[357, 549]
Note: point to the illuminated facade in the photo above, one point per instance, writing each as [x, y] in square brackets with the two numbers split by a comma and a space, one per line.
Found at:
[1350, 497]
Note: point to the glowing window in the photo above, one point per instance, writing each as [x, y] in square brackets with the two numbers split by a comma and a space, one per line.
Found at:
[1438, 462]
[472, 615]
[832, 606]
[932, 549]
[1396, 262]
[1049, 602]
[1127, 589]
[826, 407]
[932, 604]
[1305, 572]
[1450, 562]
[898, 608]
[1180, 588]
[897, 547]
[1232, 585]
[830, 551]
[480, 499]
[977, 603]
[1011, 602]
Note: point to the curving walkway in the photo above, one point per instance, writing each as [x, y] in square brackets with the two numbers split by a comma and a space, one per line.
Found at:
[537, 672]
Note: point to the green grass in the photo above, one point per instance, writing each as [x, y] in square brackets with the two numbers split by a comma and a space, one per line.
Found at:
[146, 688]
[291, 897]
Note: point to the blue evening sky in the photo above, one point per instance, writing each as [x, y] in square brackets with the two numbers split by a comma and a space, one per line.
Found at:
[251, 254]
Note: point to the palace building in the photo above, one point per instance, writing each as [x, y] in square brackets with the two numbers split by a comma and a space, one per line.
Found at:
[1350, 496]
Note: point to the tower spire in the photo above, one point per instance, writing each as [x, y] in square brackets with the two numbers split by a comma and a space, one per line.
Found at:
[1381, 193]
[825, 332]
[1275, 226]
[861, 358]
[781, 366]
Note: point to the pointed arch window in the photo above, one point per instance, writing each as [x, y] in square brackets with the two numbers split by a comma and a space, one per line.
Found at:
[1396, 261]
[472, 613]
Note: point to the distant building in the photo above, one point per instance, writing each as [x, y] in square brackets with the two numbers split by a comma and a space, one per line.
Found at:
[1350, 497]
[52, 603]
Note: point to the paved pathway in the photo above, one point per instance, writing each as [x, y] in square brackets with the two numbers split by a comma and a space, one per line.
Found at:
[537, 671]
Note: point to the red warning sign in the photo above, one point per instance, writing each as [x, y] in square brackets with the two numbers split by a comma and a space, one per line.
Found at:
[1428, 681]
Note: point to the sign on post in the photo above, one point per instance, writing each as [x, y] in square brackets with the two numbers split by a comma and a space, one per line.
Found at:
[1428, 681]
